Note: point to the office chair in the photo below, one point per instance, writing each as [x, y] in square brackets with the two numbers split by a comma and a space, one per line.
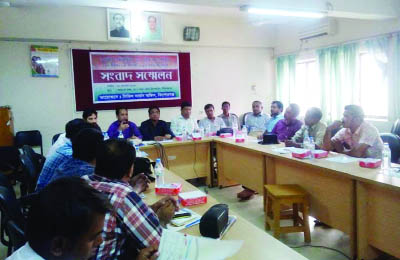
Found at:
[55, 138]
[32, 138]
[394, 144]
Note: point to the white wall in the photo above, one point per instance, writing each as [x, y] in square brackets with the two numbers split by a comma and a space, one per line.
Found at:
[226, 63]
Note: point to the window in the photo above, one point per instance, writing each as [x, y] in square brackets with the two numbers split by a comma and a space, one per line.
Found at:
[307, 91]
[373, 88]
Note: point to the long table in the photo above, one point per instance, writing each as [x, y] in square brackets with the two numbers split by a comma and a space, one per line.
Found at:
[257, 243]
[363, 203]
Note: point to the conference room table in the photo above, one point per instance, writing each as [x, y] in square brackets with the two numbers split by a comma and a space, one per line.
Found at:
[257, 244]
[363, 203]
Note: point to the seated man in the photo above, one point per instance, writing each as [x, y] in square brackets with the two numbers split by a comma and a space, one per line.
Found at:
[90, 116]
[276, 115]
[154, 128]
[256, 122]
[83, 159]
[357, 138]
[64, 222]
[71, 127]
[211, 124]
[184, 124]
[287, 127]
[62, 154]
[132, 219]
[230, 120]
[122, 125]
[313, 127]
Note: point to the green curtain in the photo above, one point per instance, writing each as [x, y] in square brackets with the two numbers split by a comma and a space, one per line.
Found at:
[394, 79]
[337, 68]
[379, 48]
[285, 77]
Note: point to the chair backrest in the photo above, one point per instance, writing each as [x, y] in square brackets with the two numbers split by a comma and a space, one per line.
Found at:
[10, 207]
[16, 236]
[4, 181]
[396, 128]
[55, 138]
[245, 115]
[394, 144]
[37, 159]
[30, 175]
[9, 158]
[32, 138]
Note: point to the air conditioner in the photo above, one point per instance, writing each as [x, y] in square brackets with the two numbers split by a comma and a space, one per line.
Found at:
[326, 27]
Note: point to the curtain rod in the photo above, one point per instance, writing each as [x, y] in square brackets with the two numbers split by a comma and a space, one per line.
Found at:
[336, 44]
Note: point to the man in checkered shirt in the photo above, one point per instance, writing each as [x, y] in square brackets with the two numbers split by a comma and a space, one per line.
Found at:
[133, 225]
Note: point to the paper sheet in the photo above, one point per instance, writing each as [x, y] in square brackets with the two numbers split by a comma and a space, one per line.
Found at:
[342, 159]
[179, 246]
[284, 150]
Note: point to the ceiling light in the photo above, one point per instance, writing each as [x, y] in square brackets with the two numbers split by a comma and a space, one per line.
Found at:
[278, 12]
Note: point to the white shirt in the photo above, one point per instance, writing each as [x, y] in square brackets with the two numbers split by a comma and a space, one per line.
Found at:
[214, 125]
[181, 124]
[60, 142]
[25, 253]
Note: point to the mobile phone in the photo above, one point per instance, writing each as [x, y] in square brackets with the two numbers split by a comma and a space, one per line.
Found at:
[182, 215]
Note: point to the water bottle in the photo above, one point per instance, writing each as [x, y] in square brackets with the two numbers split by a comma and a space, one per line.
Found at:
[121, 135]
[201, 131]
[244, 131]
[159, 172]
[138, 153]
[386, 157]
[306, 140]
[106, 137]
[235, 127]
[312, 146]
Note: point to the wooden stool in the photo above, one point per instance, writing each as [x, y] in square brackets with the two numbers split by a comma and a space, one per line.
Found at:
[277, 195]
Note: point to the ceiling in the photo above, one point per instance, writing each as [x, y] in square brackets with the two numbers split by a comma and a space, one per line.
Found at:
[353, 9]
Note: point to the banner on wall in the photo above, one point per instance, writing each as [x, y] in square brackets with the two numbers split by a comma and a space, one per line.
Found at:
[44, 61]
[130, 77]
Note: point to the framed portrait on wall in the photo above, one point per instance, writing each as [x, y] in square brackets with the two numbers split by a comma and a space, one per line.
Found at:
[153, 27]
[118, 24]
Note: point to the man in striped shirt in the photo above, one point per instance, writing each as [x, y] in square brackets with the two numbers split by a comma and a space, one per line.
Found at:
[133, 225]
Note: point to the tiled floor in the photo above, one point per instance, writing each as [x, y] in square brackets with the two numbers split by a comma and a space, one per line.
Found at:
[252, 210]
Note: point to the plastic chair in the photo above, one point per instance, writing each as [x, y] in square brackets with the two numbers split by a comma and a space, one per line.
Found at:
[9, 159]
[16, 236]
[10, 209]
[396, 128]
[394, 144]
[32, 138]
[37, 159]
[55, 138]
[245, 115]
[29, 176]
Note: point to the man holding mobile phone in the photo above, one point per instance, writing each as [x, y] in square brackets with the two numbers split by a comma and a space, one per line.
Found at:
[123, 126]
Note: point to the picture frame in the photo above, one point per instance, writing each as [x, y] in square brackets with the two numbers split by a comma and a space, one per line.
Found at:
[153, 27]
[119, 27]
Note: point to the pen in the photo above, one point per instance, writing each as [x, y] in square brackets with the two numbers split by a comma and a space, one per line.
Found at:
[193, 223]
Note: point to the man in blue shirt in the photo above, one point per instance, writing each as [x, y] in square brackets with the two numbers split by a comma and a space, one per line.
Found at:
[154, 128]
[256, 121]
[276, 115]
[83, 157]
[62, 153]
[124, 126]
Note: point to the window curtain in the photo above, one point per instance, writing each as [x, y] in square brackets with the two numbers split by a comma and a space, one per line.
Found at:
[338, 70]
[285, 78]
[394, 78]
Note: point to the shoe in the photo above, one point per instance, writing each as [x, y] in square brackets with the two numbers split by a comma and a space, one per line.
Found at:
[245, 194]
